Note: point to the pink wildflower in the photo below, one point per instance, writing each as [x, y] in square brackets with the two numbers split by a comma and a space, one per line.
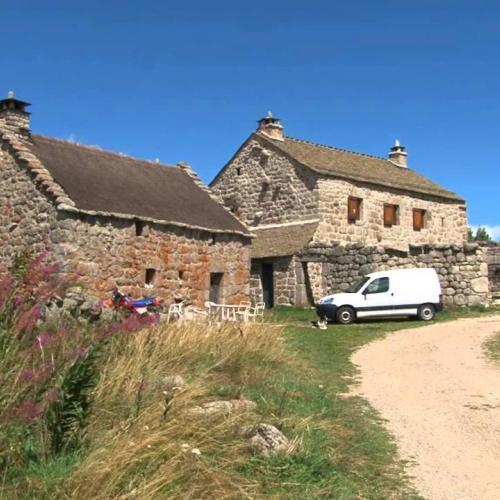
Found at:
[28, 411]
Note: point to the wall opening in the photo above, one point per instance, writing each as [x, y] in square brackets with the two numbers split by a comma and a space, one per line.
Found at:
[150, 276]
[267, 280]
[139, 227]
[215, 287]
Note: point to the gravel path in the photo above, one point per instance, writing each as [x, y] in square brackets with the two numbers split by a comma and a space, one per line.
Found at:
[441, 399]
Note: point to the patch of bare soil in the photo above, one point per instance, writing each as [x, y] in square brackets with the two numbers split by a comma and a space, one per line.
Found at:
[441, 398]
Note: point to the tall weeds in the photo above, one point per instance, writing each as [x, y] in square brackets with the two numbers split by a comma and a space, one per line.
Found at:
[48, 369]
[150, 449]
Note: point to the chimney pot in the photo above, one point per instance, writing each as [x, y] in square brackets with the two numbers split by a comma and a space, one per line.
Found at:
[13, 116]
[398, 155]
[271, 127]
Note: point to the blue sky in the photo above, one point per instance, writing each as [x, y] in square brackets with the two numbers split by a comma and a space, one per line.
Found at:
[188, 80]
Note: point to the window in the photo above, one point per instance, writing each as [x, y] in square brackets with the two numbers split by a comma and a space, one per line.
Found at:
[353, 209]
[139, 227]
[390, 215]
[150, 276]
[379, 285]
[238, 171]
[418, 219]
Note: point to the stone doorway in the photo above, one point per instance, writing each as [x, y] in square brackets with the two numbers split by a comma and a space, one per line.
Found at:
[267, 280]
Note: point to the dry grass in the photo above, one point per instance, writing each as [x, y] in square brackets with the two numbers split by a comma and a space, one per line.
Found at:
[141, 439]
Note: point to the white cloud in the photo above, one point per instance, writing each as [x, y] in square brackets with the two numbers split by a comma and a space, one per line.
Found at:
[493, 231]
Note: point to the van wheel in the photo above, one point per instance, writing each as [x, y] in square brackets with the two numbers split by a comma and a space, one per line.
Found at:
[346, 315]
[426, 312]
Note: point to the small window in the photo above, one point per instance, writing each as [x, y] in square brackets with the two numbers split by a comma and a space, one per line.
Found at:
[390, 215]
[379, 285]
[353, 209]
[215, 287]
[150, 276]
[238, 171]
[418, 219]
[181, 275]
[139, 227]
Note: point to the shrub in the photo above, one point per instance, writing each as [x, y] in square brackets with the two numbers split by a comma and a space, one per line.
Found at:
[48, 369]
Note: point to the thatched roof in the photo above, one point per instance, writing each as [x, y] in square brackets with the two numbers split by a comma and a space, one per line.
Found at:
[349, 165]
[110, 183]
[282, 240]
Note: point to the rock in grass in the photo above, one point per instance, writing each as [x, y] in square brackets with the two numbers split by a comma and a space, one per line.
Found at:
[267, 439]
[223, 407]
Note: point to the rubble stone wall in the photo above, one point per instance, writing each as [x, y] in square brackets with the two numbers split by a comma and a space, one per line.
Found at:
[494, 269]
[445, 221]
[26, 214]
[262, 187]
[462, 269]
[285, 276]
[105, 252]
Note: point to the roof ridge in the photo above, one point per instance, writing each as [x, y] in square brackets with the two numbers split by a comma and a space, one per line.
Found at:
[335, 148]
[102, 150]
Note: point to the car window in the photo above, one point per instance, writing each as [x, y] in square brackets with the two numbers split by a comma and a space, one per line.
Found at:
[378, 285]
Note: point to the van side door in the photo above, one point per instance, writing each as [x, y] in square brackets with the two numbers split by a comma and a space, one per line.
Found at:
[378, 298]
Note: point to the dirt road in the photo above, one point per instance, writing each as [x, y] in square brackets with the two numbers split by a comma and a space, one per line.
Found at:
[441, 397]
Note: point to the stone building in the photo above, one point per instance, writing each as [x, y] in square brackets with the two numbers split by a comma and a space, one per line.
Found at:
[323, 216]
[114, 220]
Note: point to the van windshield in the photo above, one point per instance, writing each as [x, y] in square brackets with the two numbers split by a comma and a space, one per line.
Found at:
[357, 286]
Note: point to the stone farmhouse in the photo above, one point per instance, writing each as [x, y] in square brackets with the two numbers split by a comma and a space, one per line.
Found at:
[117, 221]
[324, 216]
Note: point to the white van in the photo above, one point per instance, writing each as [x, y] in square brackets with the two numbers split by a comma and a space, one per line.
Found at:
[400, 292]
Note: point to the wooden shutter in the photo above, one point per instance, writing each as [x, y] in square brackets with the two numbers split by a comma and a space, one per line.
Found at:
[418, 219]
[353, 206]
[389, 215]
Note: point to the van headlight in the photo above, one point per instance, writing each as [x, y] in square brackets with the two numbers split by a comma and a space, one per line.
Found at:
[328, 300]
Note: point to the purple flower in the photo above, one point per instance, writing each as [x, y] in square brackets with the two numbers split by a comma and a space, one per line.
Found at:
[34, 376]
[28, 411]
[43, 339]
[28, 319]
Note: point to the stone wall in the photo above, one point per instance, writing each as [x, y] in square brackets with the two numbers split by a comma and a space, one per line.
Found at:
[263, 187]
[494, 269]
[445, 221]
[26, 214]
[286, 280]
[462, 269]
[105, 252]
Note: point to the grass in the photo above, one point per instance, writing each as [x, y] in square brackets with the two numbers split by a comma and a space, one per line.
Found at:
[492, 347]
[140, 439]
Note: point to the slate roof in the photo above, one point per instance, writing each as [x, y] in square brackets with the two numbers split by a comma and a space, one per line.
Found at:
[281, 241]
[328, 160]
[110, 183]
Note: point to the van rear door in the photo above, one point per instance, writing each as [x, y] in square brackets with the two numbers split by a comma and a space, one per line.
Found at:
[378, 298]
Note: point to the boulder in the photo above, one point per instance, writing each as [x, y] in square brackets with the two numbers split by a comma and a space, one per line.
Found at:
[267, 439]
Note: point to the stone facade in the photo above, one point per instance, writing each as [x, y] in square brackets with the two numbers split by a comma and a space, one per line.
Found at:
[262, 187]
[321, 270]
[104, 251]
[445, 221]
[494, 270]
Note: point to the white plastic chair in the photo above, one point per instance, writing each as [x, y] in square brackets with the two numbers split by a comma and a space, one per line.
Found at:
[257, 312]
[175, 311]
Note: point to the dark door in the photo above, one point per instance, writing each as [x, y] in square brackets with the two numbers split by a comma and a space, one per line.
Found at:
[267, 285]
[215, 285]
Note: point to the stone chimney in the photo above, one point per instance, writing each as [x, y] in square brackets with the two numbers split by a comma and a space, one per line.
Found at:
[398, 155]
[271, 127]
[13, 116]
